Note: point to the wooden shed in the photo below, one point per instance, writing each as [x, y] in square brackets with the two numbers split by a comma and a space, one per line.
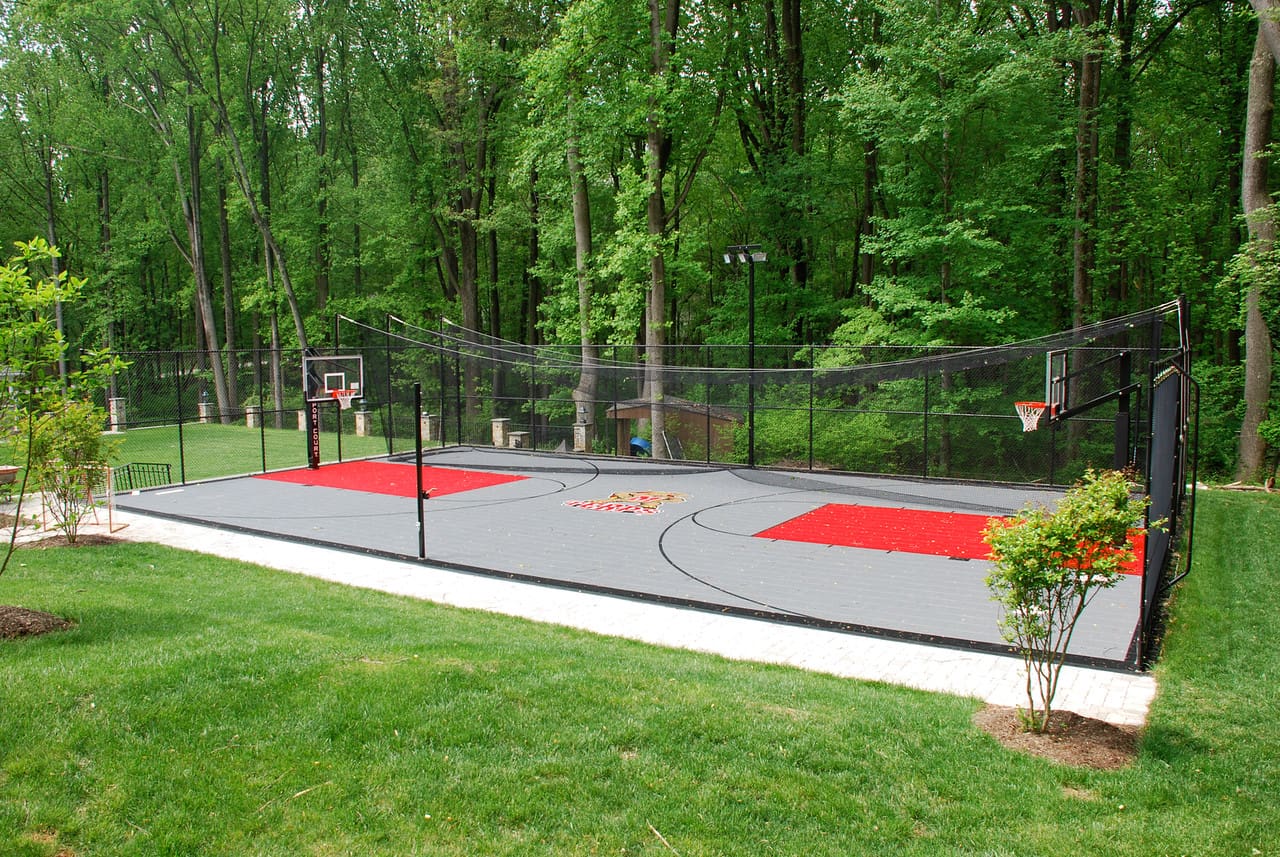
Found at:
[691, 427]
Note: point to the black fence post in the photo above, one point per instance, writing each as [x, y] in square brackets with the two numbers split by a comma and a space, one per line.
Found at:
[457, 392]
[444, 385]
[813, 359]
[924, 458]
[417, 465]
[262, 425]
[533, 398]
[707, 380]
[391, 417]
[617, 451]
[1121, 456]
[177, 389]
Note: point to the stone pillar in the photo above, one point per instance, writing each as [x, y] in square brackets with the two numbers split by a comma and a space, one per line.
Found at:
[519, 440]
[580, 437]
[364, 425]
[501, 432]
[302, 420]
[116, 411]
[208, 410]
[430, 428]
[253, 416]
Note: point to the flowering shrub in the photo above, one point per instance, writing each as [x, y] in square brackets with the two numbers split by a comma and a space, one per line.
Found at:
[1048, 565]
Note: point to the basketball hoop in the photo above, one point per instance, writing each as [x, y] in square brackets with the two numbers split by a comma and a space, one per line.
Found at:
[1030, 414]
[345, 397]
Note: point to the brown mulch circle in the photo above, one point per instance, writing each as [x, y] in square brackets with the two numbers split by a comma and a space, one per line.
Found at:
[84, 540]
[21, 622]
[1072, 739]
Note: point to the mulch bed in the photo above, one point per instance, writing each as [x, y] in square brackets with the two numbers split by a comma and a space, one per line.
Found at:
[21, 622]
[84, 540]
[1071, 739]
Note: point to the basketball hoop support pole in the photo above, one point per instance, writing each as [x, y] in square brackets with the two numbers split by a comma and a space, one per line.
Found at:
[313, 435]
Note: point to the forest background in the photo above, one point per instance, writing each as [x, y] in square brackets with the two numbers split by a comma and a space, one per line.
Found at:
[230, 174]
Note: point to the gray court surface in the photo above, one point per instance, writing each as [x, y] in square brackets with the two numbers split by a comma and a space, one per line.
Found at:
[700, 552]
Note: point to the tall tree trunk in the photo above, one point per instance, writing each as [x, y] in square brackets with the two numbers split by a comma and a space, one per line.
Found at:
[277, 364]
[192, 203]
[228, 288]
[322, 189]
[793, 64]
[664, 20]
[1126, 20]
[532, 283]
[259, 208]
[345, 123]
[866, 215]
[584, 395]
[51, 235]
[491, 260]
[1256, 200]
[104, 247]
[357, 263]
[464, 270]
[866, 262]
[269, 270]
[1089, 90]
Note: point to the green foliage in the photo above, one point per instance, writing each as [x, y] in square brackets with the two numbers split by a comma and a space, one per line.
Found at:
[1047, 565]
[413, 159]
[1221, 411]
[38, 406]
[69, 455]
[31, 343]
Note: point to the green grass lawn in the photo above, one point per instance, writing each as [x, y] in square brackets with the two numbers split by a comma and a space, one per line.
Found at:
[203, 706]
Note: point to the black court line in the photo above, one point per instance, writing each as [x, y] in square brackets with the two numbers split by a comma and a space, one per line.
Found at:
[701, 553]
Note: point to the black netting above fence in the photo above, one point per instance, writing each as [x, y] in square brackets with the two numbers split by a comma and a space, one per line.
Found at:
[931, 412]
[925, 412]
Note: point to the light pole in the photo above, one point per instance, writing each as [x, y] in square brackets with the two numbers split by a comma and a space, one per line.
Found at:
[737, 254]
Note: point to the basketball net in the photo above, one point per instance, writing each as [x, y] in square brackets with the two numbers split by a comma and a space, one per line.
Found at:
[345, 397]
[1030, 413]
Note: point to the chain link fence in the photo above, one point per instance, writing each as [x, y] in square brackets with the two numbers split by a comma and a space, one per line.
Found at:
[1121, 391]
[912, 412]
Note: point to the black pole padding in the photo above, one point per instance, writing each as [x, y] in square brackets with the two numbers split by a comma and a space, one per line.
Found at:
[313, 435]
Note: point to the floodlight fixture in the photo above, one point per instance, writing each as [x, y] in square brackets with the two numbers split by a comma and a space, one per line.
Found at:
[749, 254]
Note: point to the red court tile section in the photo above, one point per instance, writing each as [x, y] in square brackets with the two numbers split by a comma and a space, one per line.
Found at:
[381, 477]
[951, 534]
[887, 529]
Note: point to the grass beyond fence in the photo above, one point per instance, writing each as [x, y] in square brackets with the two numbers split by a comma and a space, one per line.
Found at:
[210, 450]
[203, 706]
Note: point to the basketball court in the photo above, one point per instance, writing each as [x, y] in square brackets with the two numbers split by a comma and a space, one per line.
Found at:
[892, 557]
[889, 556]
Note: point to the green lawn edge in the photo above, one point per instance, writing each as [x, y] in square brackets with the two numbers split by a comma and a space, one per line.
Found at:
[204, 706]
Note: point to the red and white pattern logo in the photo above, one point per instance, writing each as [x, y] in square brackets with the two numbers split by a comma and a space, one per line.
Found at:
[631, 502]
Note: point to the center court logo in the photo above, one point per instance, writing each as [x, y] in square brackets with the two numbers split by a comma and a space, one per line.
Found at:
[631, 502]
